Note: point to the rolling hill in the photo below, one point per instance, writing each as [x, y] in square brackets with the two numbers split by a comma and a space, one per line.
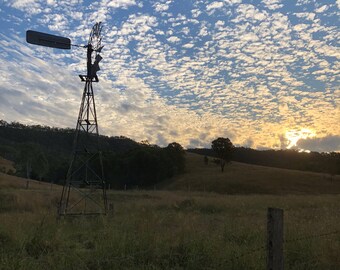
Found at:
[238, 178]
[6, 166]
[241, 178]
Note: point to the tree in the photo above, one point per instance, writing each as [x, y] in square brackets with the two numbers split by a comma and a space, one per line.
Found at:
[40, 165]
[32, 160]
[206, 160]
[177, 156]
[223, 147]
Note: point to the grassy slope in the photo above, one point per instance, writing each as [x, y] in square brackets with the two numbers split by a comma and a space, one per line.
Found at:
[14, 182]
[241, 178]
[165, 230]
[238, 178]
[6, 165]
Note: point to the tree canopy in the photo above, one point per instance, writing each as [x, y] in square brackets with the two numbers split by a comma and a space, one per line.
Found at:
[223, 147]
[44, 153]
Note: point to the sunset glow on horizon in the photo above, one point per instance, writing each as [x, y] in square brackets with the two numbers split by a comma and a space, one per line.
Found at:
[293, 136]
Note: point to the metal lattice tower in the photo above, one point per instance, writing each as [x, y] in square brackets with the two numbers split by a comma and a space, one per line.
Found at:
[84, 190]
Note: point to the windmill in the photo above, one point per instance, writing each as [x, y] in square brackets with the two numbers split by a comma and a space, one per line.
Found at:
[84, 189]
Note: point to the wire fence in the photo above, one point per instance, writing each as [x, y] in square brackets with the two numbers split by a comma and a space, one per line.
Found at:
[305, 261]
[315, 236]
[250, 252]
[302, 260]
[299, 262]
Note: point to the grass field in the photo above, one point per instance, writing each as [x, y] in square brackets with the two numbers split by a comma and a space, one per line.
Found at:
[241, 178]
[172, 229]
[6, 165]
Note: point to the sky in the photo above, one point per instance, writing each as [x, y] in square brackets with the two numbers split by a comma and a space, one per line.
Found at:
[264, 73]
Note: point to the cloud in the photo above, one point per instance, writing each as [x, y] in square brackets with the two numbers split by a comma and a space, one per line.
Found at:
[188, 45]
[119, 3]
[330, 143]
[180, 74]
[214, 5]
[322, 9]
[272, 4]
[30, 7]
[307, 15]
[173, 39]
[161, 7]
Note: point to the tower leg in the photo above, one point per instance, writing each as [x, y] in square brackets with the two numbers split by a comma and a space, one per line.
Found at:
[84, 190]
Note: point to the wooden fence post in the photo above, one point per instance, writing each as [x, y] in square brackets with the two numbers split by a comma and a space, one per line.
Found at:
[275, 239]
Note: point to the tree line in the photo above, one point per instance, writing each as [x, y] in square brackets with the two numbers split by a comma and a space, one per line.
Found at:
[287, 159]
[43, 153]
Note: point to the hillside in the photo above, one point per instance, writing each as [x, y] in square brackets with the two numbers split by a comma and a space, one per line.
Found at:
[44, 153]
[241, 178]
[238, 178]
[285, 158]
[15, 182]
[6, 166]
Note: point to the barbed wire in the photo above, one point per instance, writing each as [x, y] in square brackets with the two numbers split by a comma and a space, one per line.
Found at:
[130, 256]
[249, 252]
[305, 262]
[264, 247]
[310, 261]
[292, 240]
[134, 254]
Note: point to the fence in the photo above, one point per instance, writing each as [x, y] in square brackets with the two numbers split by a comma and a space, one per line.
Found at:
[275, 241]
[272, 252]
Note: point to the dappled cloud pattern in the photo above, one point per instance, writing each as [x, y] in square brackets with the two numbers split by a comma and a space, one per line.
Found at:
[185, 71]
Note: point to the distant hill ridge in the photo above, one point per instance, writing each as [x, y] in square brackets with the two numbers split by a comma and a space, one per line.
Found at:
[60, 140]
[286, 159]
[55, 138]
[43, 153]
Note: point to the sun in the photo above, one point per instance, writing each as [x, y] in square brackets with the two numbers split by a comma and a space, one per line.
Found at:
[293, 136]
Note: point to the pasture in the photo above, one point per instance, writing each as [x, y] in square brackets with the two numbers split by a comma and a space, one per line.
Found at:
[240, 178]
[178, 229]
[6, 165]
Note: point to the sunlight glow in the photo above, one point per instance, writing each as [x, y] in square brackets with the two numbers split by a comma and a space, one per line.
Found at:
[293, 136]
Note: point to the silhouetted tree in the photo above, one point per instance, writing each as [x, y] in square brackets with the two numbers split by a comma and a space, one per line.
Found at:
[177, 159]
[32, 161]
[223, 147]
[43, 153]
[206, 160]
[40, 165]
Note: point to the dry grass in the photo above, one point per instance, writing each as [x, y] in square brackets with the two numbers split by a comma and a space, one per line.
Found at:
[174, 229]
[241, 178]
[166, 230]
[6, 165]
[10, 181]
